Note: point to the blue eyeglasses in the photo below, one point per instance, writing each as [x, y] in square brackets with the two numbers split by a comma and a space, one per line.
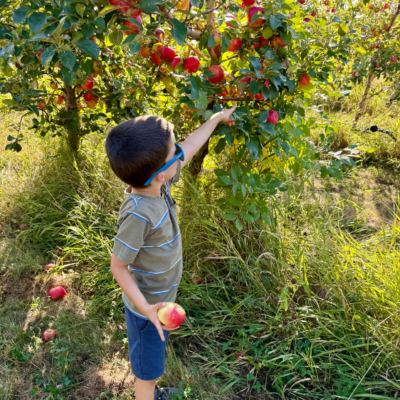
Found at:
[179, 155]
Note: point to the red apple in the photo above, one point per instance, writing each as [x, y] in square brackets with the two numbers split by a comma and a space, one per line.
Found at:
[126, 5]
[356, 74]
[172, 315]
[159, 32]
[386, 6]
[144, 52]
[239, 355]
[247, 79]
[304, 80]
[91, 104]
[88, 84]
[235, 44]
[339, 68]
[41, 105]
[219, 74]
[168, 54]
[156, 57]
[393, 59]
[39, 54]
[273, 117]
[134, 28]
[261, 42]
[247, 3]
[258, 23]
[191, 64]
[141, 84]
[333, 10]
[258, 96]
[113, 2]
[48, 266]
[313, 14]
[48, 334]
[23, 227]
[277, 40]
[176, 61]
[301, 1]
[60, 99]
[266, 83]
[88, 96]
[326, 2]
[57, 293]
[306, 20]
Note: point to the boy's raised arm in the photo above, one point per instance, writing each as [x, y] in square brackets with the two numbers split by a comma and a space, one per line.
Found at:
[196, 139]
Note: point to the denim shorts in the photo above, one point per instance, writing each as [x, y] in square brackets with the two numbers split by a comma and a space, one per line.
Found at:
[146, 349]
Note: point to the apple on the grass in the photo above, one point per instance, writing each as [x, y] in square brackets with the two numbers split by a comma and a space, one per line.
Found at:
[171, 315]
[48, 266]
[57, 293]
[48, 334]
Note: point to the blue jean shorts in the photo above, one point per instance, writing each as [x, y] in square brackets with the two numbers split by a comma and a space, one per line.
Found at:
[146, 349]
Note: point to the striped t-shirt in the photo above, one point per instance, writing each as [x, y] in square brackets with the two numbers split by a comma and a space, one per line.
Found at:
[149, 240]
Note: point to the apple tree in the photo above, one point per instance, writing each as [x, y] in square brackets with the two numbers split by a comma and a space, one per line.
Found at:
[78, 66]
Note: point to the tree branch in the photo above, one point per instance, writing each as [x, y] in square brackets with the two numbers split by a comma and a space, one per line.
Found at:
[395, 15]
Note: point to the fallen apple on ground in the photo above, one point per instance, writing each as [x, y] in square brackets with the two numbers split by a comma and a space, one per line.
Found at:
[48, 334]
[57, 293]
[172, 315]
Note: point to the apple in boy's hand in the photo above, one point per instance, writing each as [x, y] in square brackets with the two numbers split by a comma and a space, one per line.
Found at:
[172, 315]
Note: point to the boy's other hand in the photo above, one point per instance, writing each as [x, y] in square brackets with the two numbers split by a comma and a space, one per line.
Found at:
[225, 115]
[151, 312]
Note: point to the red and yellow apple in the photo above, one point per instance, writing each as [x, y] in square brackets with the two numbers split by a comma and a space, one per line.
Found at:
[172, 315]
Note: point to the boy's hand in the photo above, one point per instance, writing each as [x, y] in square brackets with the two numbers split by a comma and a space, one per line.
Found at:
[151, 312]
[224, 116]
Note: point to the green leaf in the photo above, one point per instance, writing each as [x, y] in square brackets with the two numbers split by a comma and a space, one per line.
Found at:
[255, 87]
[274, 21]
[88, 30]
[255, 62]
[204, 38]
[239, 225]
[36, 21]
[19, 14]
[150, 6]
[107, 10]
[244, 189]
[229, 217]
[194, 3]
[116, 37]
[252, 145]
[80, 9]
[225, 43]
[235, 188]
[210, 41]
[246, 217]
[235, 172]
[134, 47]
[89, 47]
[203, 100]
[130, 38]
[68, 75]
[100, 23]
[68, 59]
[47, 55]
[179, 33]
[3, 3]
[270, 55]
[234, 202]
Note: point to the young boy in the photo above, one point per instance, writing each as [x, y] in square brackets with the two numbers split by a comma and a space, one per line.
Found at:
[147, 254]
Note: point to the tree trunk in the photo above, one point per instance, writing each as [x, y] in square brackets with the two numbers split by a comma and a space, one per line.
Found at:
[72, 124]
[197, 160]
[364, 97]
[394, 95]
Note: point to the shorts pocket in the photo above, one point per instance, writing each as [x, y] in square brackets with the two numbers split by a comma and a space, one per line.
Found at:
[141, 324]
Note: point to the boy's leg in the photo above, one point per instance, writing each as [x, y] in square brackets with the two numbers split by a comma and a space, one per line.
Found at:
[144, 390]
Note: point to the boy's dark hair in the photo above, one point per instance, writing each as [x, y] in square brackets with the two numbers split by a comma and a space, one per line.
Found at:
[138, 148]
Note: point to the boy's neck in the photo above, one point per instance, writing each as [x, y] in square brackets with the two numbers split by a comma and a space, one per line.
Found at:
[152, 191]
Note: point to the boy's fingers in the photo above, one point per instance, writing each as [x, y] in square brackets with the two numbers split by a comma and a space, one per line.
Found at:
[160, 331]
[159, 305]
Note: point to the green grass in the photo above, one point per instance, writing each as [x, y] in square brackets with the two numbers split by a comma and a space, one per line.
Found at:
[305, 309]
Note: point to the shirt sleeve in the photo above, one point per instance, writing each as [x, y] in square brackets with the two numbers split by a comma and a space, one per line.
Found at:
[132, 231]
[177, 174]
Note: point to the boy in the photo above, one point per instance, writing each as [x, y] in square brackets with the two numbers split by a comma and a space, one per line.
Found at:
[147, 254]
